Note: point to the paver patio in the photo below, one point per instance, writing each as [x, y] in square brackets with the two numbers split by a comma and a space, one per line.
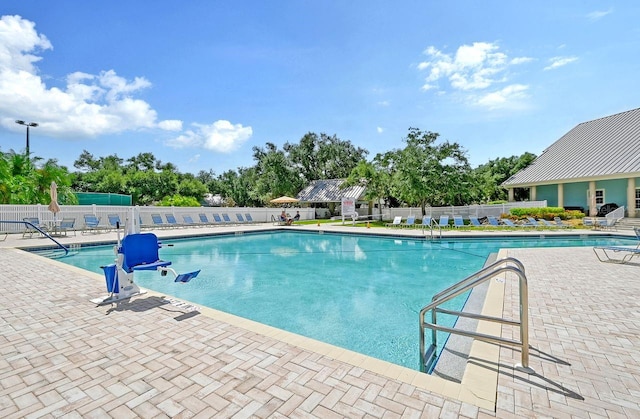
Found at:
[154, 357]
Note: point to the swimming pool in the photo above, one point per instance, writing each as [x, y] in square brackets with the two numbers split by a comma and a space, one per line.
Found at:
[358, 292]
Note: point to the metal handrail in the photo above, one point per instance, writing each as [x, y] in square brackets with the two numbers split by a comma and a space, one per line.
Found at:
[433, 223]
[483, 275]
[44, 233]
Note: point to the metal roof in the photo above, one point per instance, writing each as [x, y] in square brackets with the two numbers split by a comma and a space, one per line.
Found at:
[607, 148]
[329, 191]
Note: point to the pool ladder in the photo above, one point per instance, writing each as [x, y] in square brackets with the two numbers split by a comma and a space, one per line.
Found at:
[428, 356]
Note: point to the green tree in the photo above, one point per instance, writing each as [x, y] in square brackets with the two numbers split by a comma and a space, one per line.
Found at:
[23, 181]
[274, 174]
[490, 176]
[323, 157]
[426, 173]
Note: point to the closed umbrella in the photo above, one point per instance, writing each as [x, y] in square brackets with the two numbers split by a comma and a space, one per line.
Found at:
[53, 206]
[284, 200]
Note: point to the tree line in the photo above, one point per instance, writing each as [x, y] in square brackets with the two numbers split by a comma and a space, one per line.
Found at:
[425, 172]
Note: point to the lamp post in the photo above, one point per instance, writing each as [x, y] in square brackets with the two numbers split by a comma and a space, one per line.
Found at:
[27, 124]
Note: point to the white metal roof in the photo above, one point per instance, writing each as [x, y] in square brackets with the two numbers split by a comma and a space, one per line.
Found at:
[607, 148]
[329, 191]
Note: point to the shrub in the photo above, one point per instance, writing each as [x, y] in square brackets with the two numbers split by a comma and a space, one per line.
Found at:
[548, 213]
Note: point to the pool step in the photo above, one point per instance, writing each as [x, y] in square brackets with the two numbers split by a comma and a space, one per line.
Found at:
[430, 358]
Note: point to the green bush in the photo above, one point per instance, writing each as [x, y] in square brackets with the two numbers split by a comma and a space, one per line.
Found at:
[548, 213]
[179, 201]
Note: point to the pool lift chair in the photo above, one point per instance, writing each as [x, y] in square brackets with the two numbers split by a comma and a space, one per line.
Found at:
[137, 252]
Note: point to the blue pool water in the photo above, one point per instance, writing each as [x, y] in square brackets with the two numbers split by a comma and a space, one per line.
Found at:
[362, 293]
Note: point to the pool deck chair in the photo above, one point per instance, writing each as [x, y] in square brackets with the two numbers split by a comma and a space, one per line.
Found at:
[65, 226]
[493, 222]
[507, 222]
[560, 223]
[92, 224]
[188, 221]
[156, 219]
[397, 220]
[137, 252]
[533, 223]
[171, 221]
[458, 222]
[411, 222]
[426, 222]
[31, 226]
[474, 221]
[240, 218]
[548, 223]
[217, 219]
[114, 221]
[444, 221]
[226, 219]
[204, 220]
[606, 253]
[249, 219]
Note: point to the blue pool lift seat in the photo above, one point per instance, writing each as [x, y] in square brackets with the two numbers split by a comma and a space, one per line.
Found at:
[140, 253]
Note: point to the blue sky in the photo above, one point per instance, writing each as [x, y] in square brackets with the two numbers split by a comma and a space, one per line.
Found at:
[199, 83]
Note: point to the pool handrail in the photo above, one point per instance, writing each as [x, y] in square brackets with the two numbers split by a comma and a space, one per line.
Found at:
[44, 233]
[499, 267]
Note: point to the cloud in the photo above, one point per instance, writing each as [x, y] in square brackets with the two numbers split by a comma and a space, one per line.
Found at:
[221, 136]
[87, 105]
[557, 62]
[510, 97]
[380, 130]
[473, 67]
[598, 14]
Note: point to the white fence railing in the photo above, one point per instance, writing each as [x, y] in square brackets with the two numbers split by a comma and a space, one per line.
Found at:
[19, 212]
[77, 212]
[495, 210]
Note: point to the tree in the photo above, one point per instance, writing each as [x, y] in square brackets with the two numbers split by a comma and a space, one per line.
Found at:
[374, 177]
[426, 173]
[23, 182]
[323, 157]
[490, 176]
[274, 173]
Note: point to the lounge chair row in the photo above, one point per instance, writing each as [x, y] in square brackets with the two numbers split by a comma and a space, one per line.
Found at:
[618, 254]
[458, 222]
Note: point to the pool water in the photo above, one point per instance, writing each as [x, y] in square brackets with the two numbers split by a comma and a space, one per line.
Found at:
[361, 293]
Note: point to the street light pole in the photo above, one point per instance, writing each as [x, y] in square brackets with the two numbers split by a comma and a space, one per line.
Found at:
[27, 124]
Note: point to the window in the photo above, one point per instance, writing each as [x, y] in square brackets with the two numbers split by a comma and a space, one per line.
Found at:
[599, 197]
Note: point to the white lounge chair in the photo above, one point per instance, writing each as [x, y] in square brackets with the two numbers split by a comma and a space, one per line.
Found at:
[397, 220]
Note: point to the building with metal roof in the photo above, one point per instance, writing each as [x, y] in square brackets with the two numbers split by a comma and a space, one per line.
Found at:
[596, 163]
[329, 191]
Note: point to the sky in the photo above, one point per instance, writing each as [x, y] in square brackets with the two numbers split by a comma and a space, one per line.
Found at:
[200, 83]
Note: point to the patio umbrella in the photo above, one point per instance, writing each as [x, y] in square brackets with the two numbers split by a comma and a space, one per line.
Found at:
[53, 206]
[284, 200]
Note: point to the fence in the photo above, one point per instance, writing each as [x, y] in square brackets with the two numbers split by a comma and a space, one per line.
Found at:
[77, 212]
[495, 210]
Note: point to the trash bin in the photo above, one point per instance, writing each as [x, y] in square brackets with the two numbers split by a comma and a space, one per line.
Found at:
[111, 277]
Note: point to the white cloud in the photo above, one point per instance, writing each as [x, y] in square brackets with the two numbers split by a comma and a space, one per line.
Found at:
[170, 125]
[598, 14]
[473, 67]
[556, 62]
[88, 105]
[383, 103]
[380, 130]
[221, 136]
[509, 96]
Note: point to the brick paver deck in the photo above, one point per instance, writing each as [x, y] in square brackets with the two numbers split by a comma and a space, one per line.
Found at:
[60, 355]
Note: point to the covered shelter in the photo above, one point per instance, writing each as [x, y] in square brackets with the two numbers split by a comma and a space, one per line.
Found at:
[326, 195]
[592, 167]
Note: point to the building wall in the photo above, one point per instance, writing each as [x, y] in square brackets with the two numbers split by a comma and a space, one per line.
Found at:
[614, 191]
[575, 194]
[548, 193]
